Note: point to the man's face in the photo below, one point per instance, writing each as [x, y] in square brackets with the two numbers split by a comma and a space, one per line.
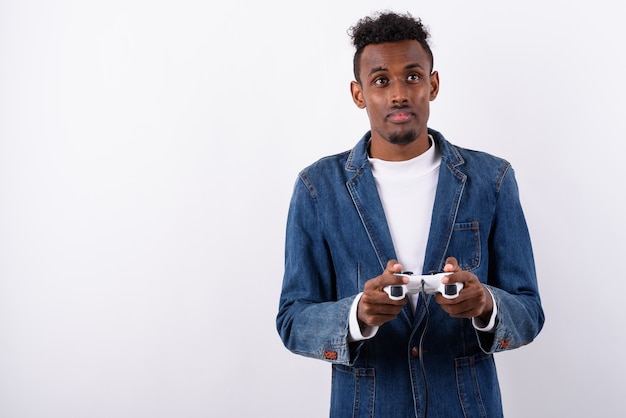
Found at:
[396, 88]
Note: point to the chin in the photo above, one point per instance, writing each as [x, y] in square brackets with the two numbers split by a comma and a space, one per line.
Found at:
[402, 138]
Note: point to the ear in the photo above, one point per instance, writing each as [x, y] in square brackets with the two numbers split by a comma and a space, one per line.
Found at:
[434, 85]
[357, 94]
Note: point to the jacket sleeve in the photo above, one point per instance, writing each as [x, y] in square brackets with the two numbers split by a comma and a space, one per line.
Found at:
[512, 277]
[311, 321]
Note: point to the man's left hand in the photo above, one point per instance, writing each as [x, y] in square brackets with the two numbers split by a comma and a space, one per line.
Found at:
[474, 300]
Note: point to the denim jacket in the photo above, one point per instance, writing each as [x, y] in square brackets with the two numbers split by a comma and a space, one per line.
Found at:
[337, 238]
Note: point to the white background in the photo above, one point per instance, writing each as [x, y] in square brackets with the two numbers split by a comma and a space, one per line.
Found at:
[148, 151]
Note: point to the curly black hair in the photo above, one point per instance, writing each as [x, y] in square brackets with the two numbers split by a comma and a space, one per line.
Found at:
[387, 27]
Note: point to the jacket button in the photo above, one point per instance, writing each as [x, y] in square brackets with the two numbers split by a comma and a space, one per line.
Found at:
[415, 353]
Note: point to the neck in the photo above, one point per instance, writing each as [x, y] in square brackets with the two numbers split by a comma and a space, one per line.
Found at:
[384, 150]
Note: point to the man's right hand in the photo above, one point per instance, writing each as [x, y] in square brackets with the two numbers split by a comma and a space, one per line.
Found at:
[375, 307]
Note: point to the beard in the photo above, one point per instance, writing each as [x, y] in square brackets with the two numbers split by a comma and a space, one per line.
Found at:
[403, 138]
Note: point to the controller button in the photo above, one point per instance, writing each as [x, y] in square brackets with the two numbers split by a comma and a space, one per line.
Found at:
[450, 289]
[396, 291]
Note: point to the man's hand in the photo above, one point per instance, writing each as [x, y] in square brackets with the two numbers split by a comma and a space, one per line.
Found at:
[474, 300]
[375, 308]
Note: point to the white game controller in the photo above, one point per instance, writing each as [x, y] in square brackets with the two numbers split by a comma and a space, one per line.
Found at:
[430, 283]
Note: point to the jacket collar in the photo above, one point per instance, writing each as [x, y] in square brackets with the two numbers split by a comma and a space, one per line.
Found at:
[357, 158]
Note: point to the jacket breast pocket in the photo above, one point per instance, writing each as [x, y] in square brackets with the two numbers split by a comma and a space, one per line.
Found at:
[465, 245]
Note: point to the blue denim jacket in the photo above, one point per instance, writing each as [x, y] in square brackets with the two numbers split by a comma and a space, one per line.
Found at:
[338, 238]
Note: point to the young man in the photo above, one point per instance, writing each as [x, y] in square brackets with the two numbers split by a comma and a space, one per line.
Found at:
[404, 198]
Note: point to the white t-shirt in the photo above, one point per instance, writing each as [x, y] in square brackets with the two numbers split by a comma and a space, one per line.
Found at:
[407, 191]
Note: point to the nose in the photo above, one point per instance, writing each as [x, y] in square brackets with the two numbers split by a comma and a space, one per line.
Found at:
[398, 93]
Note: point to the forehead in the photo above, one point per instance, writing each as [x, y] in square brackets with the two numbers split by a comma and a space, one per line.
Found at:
[393, 55]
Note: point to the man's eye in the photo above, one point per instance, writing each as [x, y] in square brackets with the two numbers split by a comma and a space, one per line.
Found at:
[380, 81]
[414, 77]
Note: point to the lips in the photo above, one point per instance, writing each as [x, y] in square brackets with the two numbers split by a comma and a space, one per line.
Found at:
[400, 116]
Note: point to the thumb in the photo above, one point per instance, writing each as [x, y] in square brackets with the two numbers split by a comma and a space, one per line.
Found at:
[393, 266]
[452, 265]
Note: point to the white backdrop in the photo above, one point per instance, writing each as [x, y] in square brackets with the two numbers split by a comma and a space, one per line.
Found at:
[148, 151]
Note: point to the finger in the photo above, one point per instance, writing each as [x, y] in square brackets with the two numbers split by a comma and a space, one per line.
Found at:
[378, 320]
[458, 276]
[375, 314]
[452, 265]
[466, 305]
[388, 307]
[457, 309]
[393, 266]
[378, 297]
[388, 277]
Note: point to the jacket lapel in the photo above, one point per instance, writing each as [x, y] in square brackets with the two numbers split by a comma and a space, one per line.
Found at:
[364, 193]
[447, 199]
[450, 188]
[362, 188]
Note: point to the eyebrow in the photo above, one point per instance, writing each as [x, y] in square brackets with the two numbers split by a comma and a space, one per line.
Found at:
[407, 67]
